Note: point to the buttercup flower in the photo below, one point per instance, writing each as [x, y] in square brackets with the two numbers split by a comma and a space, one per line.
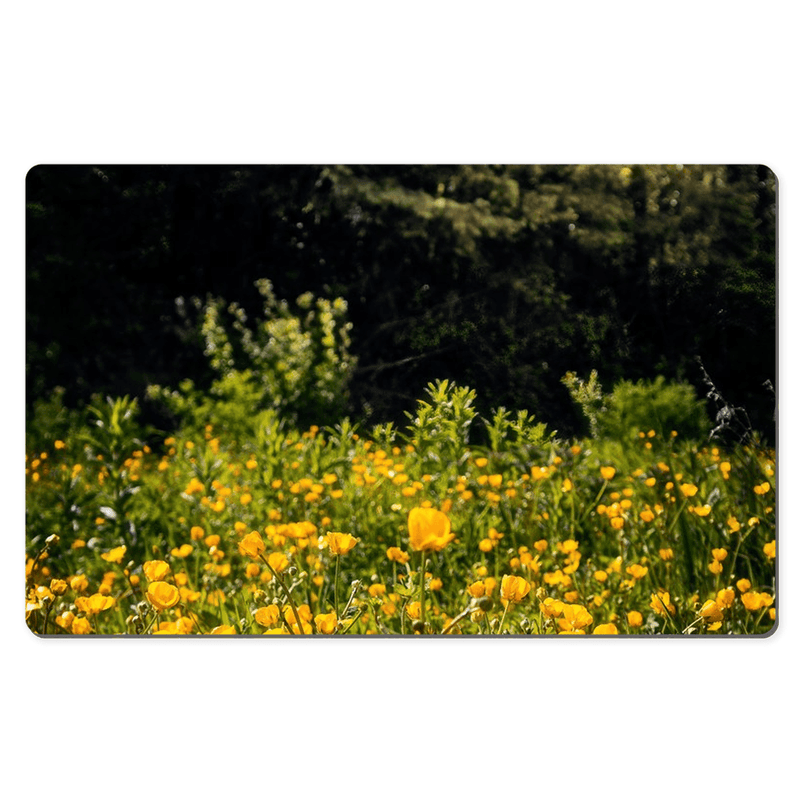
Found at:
[341, 543]
[155, 570]
[252, 545]
[513, 588]
[162, 595]
[428, 529]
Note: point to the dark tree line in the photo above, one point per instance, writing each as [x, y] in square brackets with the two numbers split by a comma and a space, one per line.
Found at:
[499, 277]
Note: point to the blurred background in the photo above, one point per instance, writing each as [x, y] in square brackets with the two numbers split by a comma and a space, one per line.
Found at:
[501, 278]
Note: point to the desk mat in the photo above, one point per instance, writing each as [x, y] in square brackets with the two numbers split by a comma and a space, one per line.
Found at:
[417, 401]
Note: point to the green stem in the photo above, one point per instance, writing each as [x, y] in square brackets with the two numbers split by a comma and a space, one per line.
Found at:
[287, 593]
[422, 590]
[336, 588]
[503, 618]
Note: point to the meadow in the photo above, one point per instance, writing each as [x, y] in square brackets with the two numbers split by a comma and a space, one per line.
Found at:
[454, 525]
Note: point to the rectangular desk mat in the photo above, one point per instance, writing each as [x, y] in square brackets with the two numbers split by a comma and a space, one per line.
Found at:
[401, 400]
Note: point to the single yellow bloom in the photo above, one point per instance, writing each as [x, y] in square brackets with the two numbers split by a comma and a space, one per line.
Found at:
[725, 598]
[711, 611]
[398, 555]
[224, 630]
[617, 523]
[769, 549]
[115, 555]
[477, 589]
[635, 619]
[605, 629]
[688, 489]
[513, 588]
[701, 511]
[162, 595]
[733, 524]
[636, 571]
[719, 553]
[413, 610]
[660, 603]
[666, 554]
[743, 585]
[428, 529]
[647, 515]
[278, 561]
[81, 625]
[551, 607]
[566, 485]
[252, 545]
[574, 618]
[341, 543]
[326, 623]
[95, 604]
[155, 570]
[608, 473]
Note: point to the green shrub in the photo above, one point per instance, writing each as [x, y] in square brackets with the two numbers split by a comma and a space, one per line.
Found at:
[295, 363]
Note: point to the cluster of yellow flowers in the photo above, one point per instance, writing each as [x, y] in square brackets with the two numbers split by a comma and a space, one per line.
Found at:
[565, 546]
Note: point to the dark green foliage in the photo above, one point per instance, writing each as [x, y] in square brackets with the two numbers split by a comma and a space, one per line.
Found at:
[498, 277]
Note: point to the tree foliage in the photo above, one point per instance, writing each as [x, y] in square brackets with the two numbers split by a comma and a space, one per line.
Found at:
[499, 277]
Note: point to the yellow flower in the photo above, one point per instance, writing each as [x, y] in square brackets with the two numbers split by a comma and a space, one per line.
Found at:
[513, 588]
[660, 603]
[95, 604]
[688, 489]
[617, 523]
[647, 515]
[574, 618]
[769, 549]
[743, 585]
[428, 529]
[252, 545]
[477, 589]
[81, 625]
[762, 488]
[398, 555]
[753, 601]
[326, 623]
[608, 473]
[719, 553]
[605, 629]
[155, 570]
[715, 568]
[635, 619]
[725, 598]
[666, 554]
[341, 543]
[711, 612]
[636, 571]
[550, 607]
[701, 511]
[224, 630]
[115, 555]
[162, 595]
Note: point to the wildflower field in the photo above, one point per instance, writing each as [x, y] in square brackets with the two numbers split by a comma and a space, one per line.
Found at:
[399, 532]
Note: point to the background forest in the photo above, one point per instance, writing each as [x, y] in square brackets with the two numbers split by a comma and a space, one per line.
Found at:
[501, 278]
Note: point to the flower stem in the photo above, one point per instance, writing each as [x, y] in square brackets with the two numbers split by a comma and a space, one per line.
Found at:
[288, 594]
[422, 590]
[336, 588]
